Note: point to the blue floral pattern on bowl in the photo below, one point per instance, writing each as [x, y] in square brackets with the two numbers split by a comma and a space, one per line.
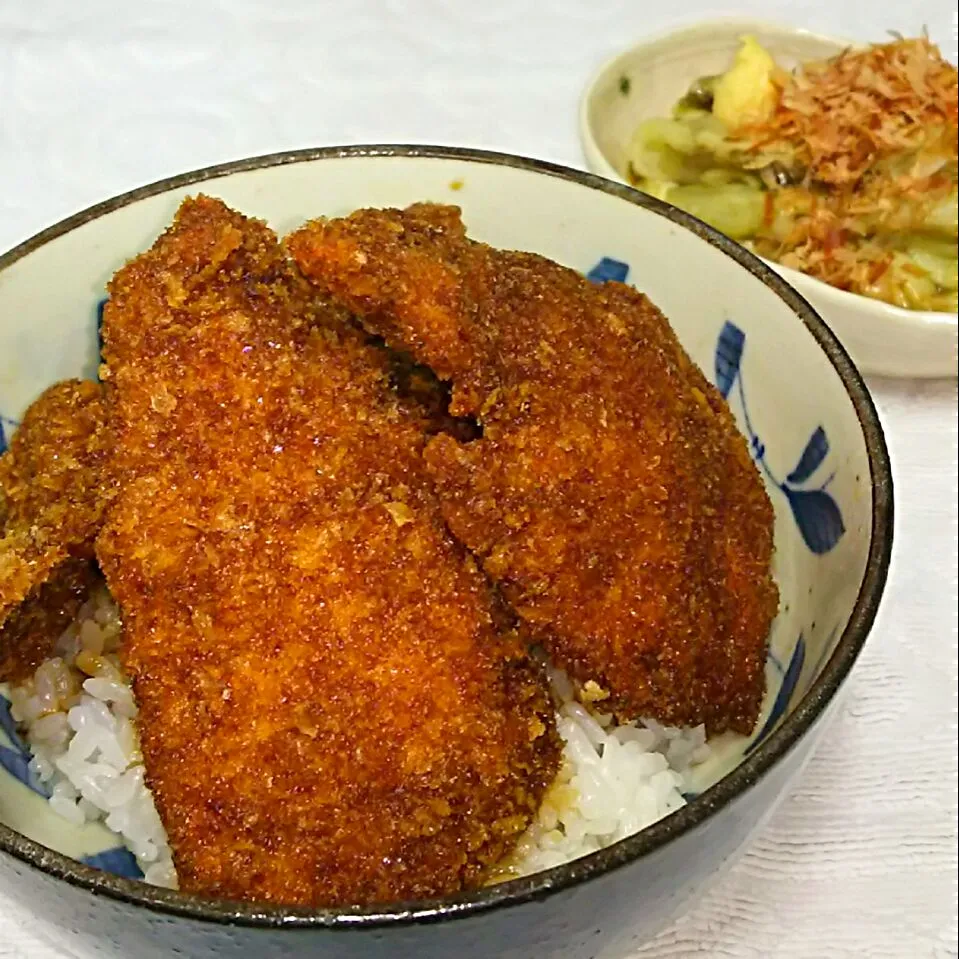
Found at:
[119, 860]
[816, 512]
[790, 677]
[15, 754]
[7, 427]
[608, 269]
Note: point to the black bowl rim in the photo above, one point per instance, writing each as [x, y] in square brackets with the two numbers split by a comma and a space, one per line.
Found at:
[540, 885]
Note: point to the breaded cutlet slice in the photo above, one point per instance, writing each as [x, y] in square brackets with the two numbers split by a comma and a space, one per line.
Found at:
[333, 708]
[53, 488]
[611, 496]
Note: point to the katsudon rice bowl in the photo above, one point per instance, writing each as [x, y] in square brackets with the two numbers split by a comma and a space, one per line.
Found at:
[592, 797]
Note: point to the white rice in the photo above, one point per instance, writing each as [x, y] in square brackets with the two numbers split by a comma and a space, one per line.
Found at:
[77, 716]
[615, 779]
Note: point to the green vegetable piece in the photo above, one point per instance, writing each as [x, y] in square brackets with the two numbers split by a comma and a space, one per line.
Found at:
[944, 219]
[699, 96]
[734, 209]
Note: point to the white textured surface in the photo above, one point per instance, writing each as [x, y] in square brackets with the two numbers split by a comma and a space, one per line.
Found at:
[99, 97]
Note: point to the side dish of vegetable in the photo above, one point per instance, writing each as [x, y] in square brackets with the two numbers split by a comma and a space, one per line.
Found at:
[845, 169]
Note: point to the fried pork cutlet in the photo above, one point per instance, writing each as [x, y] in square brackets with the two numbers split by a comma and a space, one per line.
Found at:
[610, 496]
[332, 708]
[425, 395]
[51, 482]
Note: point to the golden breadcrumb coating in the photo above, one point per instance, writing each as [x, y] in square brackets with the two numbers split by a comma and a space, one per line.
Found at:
[611, 496]
[51, 480]
[333, 708]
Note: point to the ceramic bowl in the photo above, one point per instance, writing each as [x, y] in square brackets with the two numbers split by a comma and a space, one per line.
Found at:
[812, 429]
[647, 80]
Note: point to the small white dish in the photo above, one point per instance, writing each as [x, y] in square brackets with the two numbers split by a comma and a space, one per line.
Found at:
[646, 80]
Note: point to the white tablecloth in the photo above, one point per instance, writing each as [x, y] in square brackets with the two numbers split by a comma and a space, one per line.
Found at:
[98, 97]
